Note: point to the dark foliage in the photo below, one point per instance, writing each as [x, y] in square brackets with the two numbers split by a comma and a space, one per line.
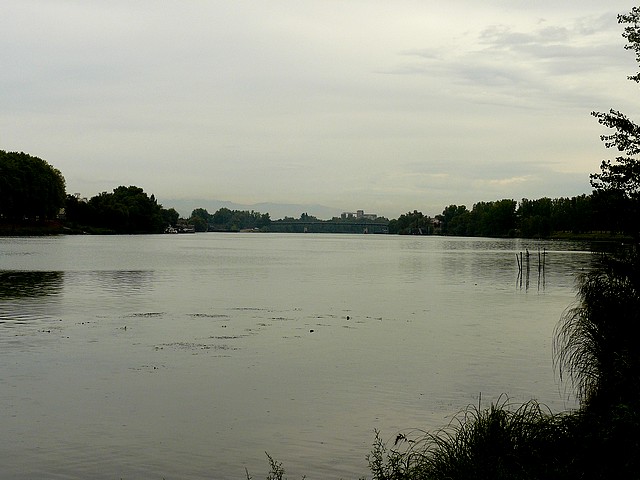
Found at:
[597, 343]
[621, 177]
[539, 218]
[495, 443]
[31, 190]
[226, 220]
[412, 223]
[125, 210]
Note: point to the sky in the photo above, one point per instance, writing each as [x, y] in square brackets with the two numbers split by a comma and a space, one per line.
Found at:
[383, 106]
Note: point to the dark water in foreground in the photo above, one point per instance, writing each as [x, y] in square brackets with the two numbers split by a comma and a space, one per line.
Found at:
[190, 356]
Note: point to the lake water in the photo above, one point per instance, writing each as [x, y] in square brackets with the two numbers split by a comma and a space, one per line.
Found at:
[189, 356]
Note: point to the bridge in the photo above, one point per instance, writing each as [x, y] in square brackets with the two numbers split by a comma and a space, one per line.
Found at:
[327, 227]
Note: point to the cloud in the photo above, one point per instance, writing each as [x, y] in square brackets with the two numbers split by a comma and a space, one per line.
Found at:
[343, 103]
[502, 182]
[528, 68]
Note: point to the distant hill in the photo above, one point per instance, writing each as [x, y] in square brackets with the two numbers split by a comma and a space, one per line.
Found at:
[275, 210]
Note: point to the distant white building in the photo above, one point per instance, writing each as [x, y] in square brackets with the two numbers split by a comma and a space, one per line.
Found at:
[359, 215]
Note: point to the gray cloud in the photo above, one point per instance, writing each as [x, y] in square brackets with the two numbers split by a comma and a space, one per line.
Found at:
[554, 62]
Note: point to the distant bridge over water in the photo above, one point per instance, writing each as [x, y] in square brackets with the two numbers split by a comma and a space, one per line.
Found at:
[327, 227]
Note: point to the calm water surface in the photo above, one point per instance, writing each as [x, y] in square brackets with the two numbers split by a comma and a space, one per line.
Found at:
[189, 356]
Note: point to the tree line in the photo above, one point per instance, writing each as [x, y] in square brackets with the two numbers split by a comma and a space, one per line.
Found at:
[226, 220]
[125, 210]
[604, 211]
[600, 212]
[33, 192]
[33, 199]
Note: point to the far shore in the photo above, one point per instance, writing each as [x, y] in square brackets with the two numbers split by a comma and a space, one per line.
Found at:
[57, 228]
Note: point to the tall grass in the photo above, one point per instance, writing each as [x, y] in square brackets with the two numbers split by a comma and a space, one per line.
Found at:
[499, 442]
[597, 342]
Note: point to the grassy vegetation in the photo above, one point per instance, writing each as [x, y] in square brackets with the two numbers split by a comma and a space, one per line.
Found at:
[507, 442]
[494, 443]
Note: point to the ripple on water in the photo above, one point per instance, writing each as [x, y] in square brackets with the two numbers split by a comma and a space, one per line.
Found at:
[146, 315]
[194, 346]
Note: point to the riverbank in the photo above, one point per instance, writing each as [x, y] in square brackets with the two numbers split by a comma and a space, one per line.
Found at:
[591, 237]
[33, 229]
[60, 228]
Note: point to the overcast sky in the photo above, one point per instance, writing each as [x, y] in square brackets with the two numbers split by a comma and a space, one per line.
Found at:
[386, 106]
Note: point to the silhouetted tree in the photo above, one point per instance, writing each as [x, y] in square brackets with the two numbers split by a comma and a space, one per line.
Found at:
[622, 175]
[125, 210]
[413, 223]
[30, 188]
[454, 220]
[170, 217]
[200, 219]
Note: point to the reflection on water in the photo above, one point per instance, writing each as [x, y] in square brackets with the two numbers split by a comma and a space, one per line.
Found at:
[122, 281]
[526, 262]
[29, 304]
[533, 265]
[18, 284]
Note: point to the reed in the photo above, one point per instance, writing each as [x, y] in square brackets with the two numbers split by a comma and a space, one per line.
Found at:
[499, 442]
[597, 342]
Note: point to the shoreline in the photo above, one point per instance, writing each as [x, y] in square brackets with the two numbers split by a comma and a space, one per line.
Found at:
[57, 228]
